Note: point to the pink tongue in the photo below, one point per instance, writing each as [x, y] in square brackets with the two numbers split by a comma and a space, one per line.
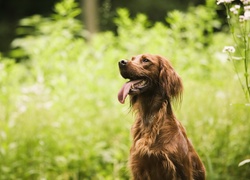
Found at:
[125, 90]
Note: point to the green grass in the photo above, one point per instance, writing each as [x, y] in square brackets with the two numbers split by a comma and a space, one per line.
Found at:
[60, 117]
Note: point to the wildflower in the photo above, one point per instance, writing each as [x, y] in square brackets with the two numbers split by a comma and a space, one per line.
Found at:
[245, 2]
[234, 10]
[246, 8]
[229, 49]
[241, 18]
[224, 1]
[237, 6]
[247, 15]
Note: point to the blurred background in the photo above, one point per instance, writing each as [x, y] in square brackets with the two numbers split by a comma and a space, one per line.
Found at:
[59, 113]
[96, 15]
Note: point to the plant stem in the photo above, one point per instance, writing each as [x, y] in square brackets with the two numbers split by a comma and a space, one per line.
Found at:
[246, 49]
[244, 33]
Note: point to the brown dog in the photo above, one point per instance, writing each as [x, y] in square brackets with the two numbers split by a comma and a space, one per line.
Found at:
[160, 149]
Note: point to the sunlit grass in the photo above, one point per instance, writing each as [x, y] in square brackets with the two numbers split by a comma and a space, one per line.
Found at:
[60, 117]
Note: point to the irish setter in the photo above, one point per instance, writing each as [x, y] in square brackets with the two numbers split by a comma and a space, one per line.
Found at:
[160, 149]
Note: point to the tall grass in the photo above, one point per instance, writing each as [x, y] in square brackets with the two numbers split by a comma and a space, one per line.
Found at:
[60, 118]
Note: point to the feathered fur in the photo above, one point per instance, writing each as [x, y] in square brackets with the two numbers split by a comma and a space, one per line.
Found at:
[160, 148]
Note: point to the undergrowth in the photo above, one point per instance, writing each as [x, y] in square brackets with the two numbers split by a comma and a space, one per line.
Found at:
[60, 117]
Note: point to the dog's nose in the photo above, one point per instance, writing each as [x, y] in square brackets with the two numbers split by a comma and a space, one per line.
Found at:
[123, 63]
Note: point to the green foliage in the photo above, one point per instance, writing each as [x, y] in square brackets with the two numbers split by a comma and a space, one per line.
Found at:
[60, 118]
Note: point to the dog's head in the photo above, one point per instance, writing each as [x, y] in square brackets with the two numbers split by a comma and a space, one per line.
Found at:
[149, 74]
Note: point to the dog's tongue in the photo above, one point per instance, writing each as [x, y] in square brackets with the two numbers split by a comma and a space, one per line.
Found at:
[125, 90]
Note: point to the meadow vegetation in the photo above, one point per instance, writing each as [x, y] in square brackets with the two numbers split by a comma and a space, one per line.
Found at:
[60, 117]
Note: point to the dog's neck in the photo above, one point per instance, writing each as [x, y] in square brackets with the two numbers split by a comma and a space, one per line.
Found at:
[148, 107]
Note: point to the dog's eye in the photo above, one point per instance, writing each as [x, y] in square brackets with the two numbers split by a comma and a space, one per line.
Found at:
[145, 60]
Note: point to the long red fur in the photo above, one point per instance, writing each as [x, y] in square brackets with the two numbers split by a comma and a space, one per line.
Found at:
[160, 148]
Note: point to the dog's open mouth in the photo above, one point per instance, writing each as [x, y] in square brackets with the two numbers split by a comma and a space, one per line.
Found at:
[131, 87]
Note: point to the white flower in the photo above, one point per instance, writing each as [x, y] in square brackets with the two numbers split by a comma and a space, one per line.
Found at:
[241, 18]
[245, 2]
[229, 49]
[237, 6]
[234, 10]
[224, 1]
[247, 15]
[246, 8]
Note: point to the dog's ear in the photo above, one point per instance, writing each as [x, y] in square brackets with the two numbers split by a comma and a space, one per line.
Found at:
[170, 81]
